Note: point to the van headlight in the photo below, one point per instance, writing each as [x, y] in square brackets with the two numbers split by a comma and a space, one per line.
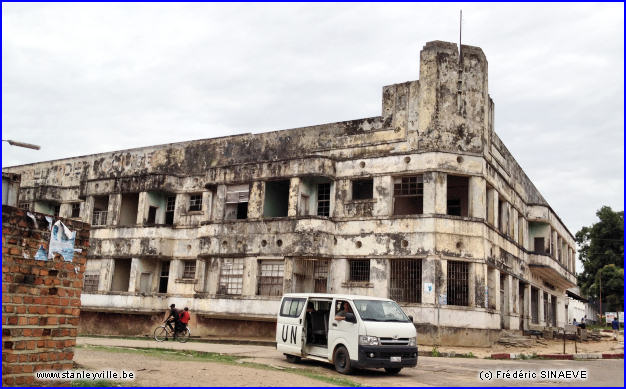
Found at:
[368, 340]
[413, 341]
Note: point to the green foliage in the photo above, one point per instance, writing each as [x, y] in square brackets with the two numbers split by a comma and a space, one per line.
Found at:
[435, 352]
[602, 255]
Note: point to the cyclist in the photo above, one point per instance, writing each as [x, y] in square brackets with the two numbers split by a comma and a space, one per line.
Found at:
[174, 317]
[184, 318]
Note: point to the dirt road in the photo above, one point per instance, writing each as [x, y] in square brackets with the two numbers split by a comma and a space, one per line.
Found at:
[429, 372]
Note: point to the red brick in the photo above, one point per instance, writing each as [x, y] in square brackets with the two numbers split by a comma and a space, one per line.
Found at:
[23, 357]
[22, 321]
[10, 357]
[8, 308]
[30, 345]
[20, 380]
[20, 309]
[64, 301]
[27, 368]
[52, 310]
[27, 332]
[52, 321]
[12, 320]
[33, 320]
[6, 299]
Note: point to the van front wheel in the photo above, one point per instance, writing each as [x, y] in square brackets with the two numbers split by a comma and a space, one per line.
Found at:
[342, 360]
[292, 358]
[393, 370]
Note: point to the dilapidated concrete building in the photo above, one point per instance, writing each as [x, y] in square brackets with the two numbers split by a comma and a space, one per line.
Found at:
[423, 204]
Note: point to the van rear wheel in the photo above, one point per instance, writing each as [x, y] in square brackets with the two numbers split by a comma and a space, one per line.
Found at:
[342, 360]
[292, 358]
[393, 370]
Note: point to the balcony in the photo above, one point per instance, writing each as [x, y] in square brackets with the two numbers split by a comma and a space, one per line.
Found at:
[551, 271]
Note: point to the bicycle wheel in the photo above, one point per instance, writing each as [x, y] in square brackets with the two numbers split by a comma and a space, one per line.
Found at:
[160, 333]
[184, 335]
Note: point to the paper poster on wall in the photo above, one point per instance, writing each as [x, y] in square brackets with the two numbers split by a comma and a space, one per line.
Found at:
[41, 254]
[428, 287]
[61, 241]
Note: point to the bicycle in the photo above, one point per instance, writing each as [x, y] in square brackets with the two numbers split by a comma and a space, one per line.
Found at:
[164, 331]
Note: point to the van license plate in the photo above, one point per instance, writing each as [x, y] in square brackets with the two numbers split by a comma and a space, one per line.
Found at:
[396, 359]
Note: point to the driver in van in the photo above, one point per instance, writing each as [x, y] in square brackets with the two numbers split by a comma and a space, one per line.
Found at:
[345, 308]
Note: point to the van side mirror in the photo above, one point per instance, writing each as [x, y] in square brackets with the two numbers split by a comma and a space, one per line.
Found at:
[350, 318]
[411, 318]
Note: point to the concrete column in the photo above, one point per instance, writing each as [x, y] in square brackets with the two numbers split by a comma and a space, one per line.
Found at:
[294, 194]
[509, 295]
[471, 284]
[515, 224]
[176, 270]
[482, 282]
[207, 198]
[554, 243]
[494, 288]
[180, 209]
[526, 307]
[106, 274]
[441, 194]
[515, 296]
[87, 213]
[429, 192]
[250, 271]
[441, 280]
[337, 271]
[142, 208]
[133, 279]
[477, 197]
[384, 199]
[379, 269]
[115, 203]
[288, 282]
[200, 274]
[219, 202]
[492, 207]
[428, 280]
[255, 204]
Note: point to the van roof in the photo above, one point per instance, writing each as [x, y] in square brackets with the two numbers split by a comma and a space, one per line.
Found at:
[338, 296]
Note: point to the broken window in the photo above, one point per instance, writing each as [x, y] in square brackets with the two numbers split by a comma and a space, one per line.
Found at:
[270, 278]
[310, 275]
[195, 202]
[128, 209]
[75, 210]
[323, 199]
[25, 206]
[164, 276]
[359, 270]
[90, 284]
[458, 283]
[100, 210]
[237, 197]
[406, 280]
[121, 275]
[457, 195]
[545, 308]
[56, 210]
[320, 274]
[276, 202]
[534, 305]
[408, 195]
[540, 245]
[169, 210]
[231, 276]
[152, 212]
[189, 269]
[363, 189]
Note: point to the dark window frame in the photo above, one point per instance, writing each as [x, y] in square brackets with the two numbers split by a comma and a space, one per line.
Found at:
[195, 202]
[363, 188]
[359, 270]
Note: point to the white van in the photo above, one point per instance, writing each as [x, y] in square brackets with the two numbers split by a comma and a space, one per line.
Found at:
[346, 330]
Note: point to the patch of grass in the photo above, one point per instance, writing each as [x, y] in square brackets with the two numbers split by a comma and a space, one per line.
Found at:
[435, 352]
[531, 356]
[219, 358]
[95, 383]
[466, 355]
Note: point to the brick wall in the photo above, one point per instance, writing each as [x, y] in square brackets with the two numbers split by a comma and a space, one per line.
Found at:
[40, 299]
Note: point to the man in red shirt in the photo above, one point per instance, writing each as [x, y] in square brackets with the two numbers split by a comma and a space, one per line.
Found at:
[184, 317]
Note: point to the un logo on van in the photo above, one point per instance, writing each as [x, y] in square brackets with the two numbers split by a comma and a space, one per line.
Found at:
[287, 334]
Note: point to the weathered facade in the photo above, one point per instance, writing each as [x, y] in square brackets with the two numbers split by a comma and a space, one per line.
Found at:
[423, 204]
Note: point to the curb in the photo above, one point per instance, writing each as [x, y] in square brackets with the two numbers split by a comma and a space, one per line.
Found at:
[560, 356]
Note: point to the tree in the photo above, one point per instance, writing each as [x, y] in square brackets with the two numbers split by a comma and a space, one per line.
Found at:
[602, 255]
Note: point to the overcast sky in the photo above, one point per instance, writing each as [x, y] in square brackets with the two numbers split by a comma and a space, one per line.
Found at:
[86, 78]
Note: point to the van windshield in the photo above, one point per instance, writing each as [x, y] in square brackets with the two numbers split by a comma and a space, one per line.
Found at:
[377, 310]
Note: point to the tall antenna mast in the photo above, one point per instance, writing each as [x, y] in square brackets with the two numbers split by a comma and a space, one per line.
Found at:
[460, 28]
